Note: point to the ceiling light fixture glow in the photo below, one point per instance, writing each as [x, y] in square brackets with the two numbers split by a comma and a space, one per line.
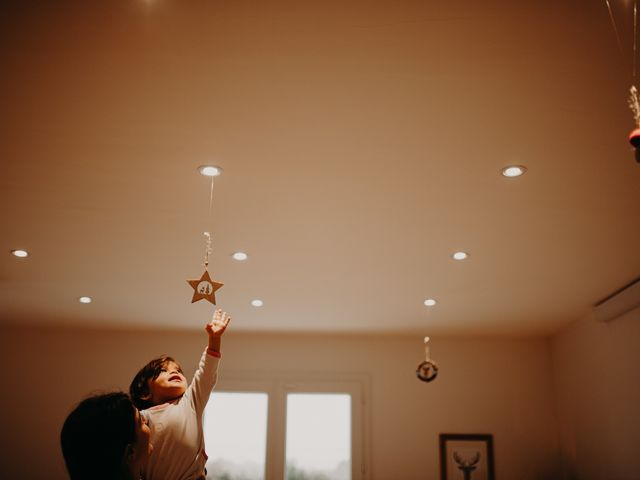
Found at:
[85, 299]
[20, 253]
[513, 171]
[240, 256]
[460, 255]
[430, 302]
[257, 303]
[210, 170]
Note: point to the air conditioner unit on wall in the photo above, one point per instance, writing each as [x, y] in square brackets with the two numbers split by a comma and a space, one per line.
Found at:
[619, 302]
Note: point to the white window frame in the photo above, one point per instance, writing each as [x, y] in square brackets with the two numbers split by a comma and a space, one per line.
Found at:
[278, 384]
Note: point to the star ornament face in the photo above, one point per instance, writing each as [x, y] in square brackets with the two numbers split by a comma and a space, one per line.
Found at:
[204, 288]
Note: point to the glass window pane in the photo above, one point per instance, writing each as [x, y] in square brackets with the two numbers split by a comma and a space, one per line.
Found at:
[235, 435]
[318, 436]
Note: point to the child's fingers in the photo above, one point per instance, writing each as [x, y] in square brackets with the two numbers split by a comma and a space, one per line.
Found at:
[224, 319]
[219, 321]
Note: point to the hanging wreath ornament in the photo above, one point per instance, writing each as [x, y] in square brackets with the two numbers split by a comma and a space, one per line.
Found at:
[634, 103]
[204, 287]
[634, 136]
[427, 371]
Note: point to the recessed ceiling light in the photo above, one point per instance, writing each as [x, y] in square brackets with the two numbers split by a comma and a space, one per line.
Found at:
[513, 170]
[240, 256]
[210, 170]
[429, 302]
[257, 303]
[460, 255]
[85, 300]
[20, 253]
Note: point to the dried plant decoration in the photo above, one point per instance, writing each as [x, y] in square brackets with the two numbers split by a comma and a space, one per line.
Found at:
[634, 136]
[634, 104]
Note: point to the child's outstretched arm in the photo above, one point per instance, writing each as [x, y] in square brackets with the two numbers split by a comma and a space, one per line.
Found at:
[207, 373]
[216, 328]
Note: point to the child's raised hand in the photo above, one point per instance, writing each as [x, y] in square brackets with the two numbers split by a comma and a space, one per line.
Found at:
[218, 323]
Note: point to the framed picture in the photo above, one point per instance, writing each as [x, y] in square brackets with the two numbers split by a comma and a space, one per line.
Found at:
[466, 456]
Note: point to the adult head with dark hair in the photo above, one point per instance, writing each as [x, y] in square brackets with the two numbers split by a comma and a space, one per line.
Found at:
[105, 438]
[161, 380]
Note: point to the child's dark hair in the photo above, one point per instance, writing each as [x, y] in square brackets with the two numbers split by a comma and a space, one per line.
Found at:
[139, 387]
[95, 436]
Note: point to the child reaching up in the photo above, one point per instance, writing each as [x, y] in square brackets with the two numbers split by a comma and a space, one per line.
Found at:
[174, 410]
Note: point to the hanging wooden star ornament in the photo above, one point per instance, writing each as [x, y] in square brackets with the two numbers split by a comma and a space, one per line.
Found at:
[204, 288]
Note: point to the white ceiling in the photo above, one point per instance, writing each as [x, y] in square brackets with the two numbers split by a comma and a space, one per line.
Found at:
[361, 144]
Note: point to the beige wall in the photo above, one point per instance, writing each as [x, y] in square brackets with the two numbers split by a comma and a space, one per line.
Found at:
[597, 382]
[503, 387]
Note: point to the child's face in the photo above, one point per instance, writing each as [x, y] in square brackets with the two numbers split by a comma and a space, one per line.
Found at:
[169, 385]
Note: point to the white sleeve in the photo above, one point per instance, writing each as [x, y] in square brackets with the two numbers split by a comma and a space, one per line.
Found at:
[203, 381]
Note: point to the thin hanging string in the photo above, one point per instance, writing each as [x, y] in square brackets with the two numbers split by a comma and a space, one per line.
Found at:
[426, 349]
[208, 241]
[613, 22]
[634, 101]
[635, 37]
